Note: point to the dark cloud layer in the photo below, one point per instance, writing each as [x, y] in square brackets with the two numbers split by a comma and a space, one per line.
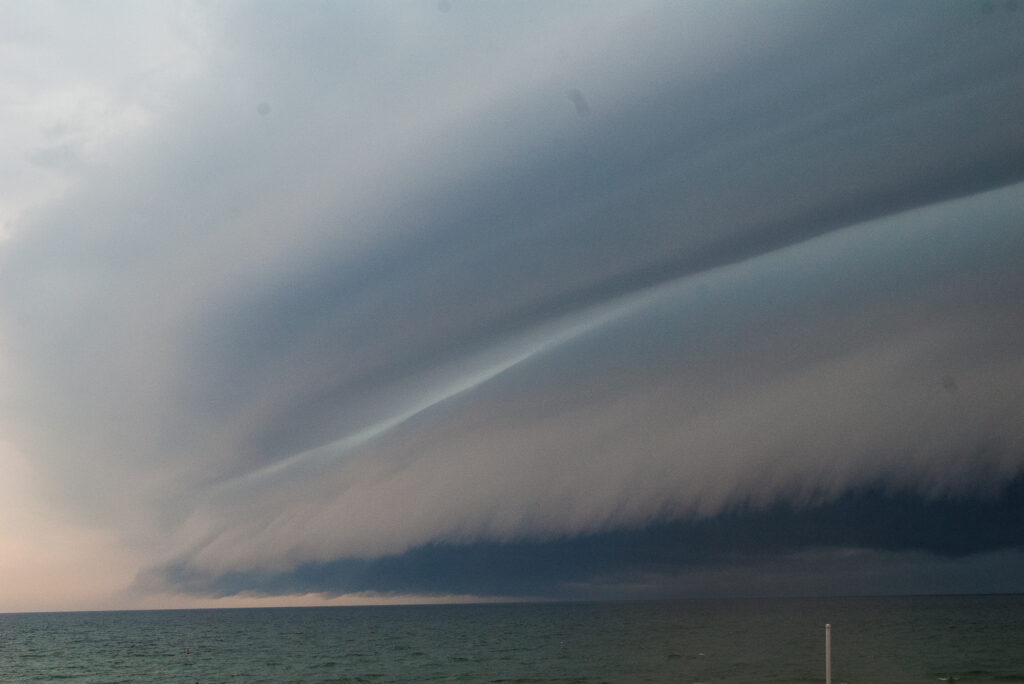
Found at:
[761, 541]
[393, 290]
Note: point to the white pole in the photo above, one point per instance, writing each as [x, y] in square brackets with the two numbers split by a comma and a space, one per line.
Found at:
[828, 654]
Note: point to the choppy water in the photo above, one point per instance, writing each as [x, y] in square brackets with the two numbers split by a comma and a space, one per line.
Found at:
[918, 639]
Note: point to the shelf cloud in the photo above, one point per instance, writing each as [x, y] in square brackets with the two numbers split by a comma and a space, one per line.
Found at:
[353, 297]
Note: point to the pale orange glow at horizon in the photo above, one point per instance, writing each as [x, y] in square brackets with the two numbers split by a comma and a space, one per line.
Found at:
[49, 563]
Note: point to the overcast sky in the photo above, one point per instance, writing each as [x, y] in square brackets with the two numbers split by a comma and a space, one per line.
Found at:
[313, 302]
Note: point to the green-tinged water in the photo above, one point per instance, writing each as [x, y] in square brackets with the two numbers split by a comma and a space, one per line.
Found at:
[909, 639]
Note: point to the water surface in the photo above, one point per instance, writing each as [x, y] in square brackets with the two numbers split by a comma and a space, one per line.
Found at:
[902, 639]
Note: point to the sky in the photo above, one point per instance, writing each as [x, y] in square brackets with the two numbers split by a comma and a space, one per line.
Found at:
[356, 302]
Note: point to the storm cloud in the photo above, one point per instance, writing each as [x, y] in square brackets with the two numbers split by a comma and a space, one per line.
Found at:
[385, 288]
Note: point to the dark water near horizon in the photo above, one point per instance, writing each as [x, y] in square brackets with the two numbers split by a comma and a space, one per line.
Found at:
[891, 639]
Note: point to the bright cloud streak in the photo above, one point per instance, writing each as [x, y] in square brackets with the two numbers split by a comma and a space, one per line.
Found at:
[743, 432]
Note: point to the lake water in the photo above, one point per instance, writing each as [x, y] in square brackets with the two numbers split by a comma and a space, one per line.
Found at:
[903, 639]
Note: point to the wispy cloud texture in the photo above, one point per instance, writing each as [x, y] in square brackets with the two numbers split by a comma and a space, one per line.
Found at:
[351, 280]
